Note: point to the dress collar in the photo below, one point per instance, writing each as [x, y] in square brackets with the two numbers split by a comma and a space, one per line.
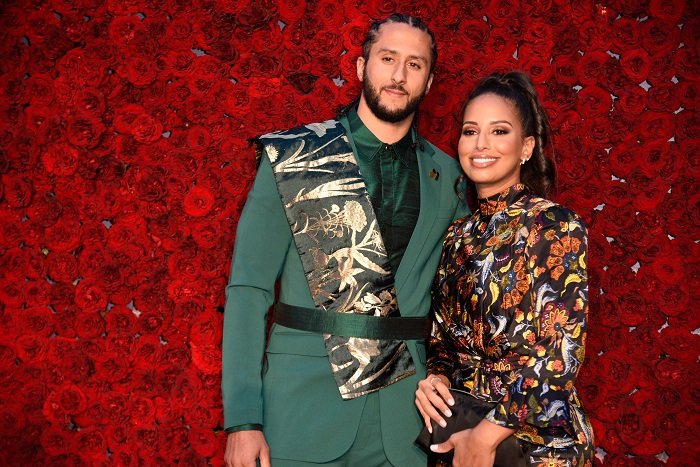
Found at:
[498, 202]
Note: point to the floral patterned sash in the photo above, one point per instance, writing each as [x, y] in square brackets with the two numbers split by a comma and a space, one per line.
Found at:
[345, 262]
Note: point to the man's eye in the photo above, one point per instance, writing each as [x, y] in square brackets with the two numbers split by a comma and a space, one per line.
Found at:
[414, 65]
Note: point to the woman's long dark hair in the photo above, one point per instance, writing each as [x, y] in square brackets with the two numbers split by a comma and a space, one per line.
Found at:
[538, 173]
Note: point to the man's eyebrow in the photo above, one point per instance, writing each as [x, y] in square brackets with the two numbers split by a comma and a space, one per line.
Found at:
[410, 57]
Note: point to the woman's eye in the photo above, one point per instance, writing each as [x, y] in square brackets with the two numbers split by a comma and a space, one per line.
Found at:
[468, 131]
[500, 131]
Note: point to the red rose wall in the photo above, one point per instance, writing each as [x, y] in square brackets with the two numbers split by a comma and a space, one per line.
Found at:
[125, 163]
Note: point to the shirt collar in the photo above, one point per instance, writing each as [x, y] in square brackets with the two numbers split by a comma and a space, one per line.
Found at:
[368, 145]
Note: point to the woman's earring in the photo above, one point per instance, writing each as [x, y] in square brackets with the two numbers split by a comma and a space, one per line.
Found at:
[522, 161]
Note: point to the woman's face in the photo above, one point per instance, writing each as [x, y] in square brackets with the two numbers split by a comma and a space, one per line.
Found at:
[492, 144]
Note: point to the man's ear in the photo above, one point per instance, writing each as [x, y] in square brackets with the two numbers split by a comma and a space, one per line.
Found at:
[430, 81]
[360, 65]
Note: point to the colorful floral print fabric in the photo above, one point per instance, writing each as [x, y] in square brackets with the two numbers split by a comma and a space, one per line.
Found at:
[509, 315]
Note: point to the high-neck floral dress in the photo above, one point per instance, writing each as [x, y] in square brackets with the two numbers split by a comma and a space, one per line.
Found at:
[509, 320]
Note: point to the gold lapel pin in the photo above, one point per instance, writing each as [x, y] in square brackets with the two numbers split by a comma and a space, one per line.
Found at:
[434, 174]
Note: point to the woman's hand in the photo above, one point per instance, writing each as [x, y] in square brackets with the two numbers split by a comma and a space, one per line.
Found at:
[475, 447]
[433, 399]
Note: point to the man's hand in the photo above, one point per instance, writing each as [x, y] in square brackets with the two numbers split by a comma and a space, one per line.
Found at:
[243, 448]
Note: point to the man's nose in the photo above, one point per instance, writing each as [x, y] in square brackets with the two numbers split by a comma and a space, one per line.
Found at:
[399, 75]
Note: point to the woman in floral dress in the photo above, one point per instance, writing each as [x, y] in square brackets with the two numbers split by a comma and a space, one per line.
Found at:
[510, 296]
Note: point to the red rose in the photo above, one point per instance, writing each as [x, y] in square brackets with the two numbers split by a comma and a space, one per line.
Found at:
[11, 294]
[117, 437]
[112, 367]
[687, 93]
[565, 69]
[198, 201]
[291, 11]
[142, 411]
[633, 100]
[185, 388]
[538, 68]
[205, 414]
[175, 436]
[62, 299]
[207, 358]
[660, 69]
[612, 407]
[679, 343]
[592, 100]
[561, 94]
[687, 125]
[203, 441]
[36, 320]
[630, 427]
[649, 446]
[635, 63]
[655, 126]
[89, 324]
[654, 155]
[91, 444]
[12, 422]
[668, 12]
[18, 191]
[120, 320]
[84, 131]
[64, 402]
[625, 34]
[147, 350]
[671, 400]
[90, 296]
[623, 158]
[660, 98]
[658, 38]
[166, 411]
[684, 63]
[671, 372]
[8, 357]
[116, 405]
[62, 266]
[353, 33]
[658, 247]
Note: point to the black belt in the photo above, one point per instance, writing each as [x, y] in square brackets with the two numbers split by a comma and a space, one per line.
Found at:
[350, 324]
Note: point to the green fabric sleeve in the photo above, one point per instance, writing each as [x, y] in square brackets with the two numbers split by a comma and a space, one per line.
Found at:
[263, 237]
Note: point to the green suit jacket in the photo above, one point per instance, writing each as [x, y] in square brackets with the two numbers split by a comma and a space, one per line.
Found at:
[291, 391]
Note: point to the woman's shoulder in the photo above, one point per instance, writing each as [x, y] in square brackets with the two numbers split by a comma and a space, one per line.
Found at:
[546, 211]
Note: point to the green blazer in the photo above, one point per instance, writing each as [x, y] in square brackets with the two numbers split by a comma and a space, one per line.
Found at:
[291, 391]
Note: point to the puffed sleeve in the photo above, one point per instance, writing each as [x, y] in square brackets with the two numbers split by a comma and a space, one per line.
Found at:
[556, 255]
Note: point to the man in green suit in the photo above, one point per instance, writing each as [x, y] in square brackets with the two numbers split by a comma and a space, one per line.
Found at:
[348, 215]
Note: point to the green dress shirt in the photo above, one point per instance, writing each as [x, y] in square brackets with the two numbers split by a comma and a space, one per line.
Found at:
[390, 172]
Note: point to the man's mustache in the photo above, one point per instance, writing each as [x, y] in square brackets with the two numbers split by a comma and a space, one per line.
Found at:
[396, 87]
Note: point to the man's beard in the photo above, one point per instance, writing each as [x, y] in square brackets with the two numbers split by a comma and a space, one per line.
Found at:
[372, 99]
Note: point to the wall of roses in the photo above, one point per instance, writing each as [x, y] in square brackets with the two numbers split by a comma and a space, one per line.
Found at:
[125, 163]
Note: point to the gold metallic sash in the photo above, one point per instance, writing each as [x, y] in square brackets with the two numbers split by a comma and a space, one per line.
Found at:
[338, 239]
